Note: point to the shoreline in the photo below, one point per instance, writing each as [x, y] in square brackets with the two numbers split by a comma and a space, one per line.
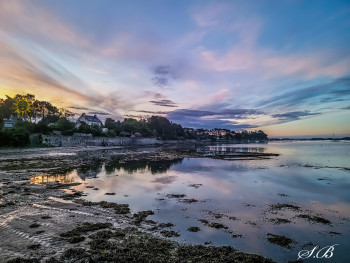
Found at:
[23, 164]
[41, 219]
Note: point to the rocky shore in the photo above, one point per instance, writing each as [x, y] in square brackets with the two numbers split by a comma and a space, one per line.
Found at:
[49, 223]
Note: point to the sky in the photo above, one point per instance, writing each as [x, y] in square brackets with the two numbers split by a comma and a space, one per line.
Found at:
[280, 66]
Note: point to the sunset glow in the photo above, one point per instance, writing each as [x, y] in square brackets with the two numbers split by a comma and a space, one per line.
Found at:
[280, 66]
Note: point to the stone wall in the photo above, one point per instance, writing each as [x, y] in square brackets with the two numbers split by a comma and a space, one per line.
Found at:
[72, 141]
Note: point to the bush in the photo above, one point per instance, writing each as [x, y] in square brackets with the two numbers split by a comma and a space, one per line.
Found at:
[111, 133]
[14, 138]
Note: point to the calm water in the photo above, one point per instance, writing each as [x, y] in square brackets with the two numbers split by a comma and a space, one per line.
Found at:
[312, 175]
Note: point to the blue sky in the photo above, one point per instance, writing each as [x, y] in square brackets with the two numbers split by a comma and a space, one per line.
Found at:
[280, 66]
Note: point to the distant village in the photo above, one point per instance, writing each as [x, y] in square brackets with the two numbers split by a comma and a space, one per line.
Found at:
[23, 115]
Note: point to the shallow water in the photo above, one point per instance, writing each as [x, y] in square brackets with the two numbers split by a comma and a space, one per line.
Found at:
[314, 176]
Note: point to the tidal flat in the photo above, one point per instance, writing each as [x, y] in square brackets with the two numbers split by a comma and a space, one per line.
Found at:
[217, 203]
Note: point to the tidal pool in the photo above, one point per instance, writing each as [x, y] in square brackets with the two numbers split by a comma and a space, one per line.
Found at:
[302, 194]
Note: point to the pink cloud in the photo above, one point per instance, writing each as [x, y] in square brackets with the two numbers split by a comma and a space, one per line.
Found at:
[232, 61]
[210, 14]
[270, 64]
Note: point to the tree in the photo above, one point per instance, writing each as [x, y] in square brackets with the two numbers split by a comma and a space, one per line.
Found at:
[63, 112]
[113, 125]
[6, 110]
[164, 128]
[44, 108]
[64, 125]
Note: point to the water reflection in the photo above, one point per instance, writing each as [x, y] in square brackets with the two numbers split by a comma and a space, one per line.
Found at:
[42, 179]
[94, 170]
[235, 149]
[140, 166]
[89, 171]
[239, 195]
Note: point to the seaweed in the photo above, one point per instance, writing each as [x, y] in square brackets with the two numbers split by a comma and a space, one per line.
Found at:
[315, 219]
[193, 229]
[141, 216]
[171, 233]
[278, 221]
[280, 240]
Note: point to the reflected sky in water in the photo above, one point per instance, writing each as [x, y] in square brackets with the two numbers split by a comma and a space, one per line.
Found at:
[312, 175]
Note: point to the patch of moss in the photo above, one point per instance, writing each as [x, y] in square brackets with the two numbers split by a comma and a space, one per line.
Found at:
[104, 234]
[72, 196]
[193, 229]
[52, 260]
[315, 219]
[171, 233]
[23, 260]
[280, 206]
[213, 224]
[163, 225]
[188, 200]
[280, 240]
[332, 233]
[118, 208]
[195, 185]
[278, 221]
[75, 235]
[86, 227]
[75, 239]
[141, 216]
[34, 246]
[175, 195]
[76, 255]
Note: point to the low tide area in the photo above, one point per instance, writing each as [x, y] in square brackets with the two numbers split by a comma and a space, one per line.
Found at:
[270, 200]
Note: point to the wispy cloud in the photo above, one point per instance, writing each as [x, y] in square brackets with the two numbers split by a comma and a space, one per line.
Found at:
[152, 112]
[222, 63]
[99, 113]
[332, 89]
[207, 118]
[210, 14]
[294, 115]
[164, 103]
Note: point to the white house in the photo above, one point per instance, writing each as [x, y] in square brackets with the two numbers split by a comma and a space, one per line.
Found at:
[9, 123]
[89, 120]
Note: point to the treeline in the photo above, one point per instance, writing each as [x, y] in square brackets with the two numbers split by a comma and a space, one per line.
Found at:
[35, 116]
[156, 126]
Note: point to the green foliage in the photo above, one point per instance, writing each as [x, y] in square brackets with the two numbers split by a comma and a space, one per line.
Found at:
[5, 108]
[17, 137]
[94, 130]
[113, 125]
[64, 125]
[41, 127]
[25, 126]
[111, 133]
[164, 129]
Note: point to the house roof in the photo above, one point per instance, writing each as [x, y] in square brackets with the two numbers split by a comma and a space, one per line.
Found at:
[91, 118]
